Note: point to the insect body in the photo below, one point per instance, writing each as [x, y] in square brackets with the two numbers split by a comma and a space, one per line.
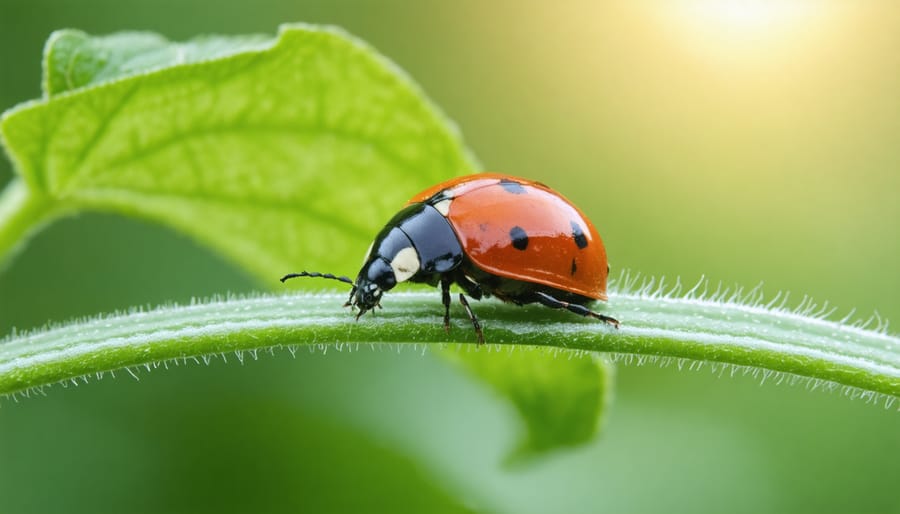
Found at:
[492, 235]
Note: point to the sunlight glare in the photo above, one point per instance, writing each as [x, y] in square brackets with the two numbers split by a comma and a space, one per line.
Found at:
[739, 33]
[748, 14]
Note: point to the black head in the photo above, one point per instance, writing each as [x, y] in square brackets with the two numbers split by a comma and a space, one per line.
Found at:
[375, 277]
[416, 245]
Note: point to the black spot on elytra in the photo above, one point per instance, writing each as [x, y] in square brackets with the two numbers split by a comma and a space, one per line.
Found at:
[574, 266]
[483, 227]
[578, 235]
[512, 186]
[519, 238]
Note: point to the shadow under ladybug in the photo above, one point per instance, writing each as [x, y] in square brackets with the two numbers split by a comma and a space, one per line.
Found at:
[492, 235]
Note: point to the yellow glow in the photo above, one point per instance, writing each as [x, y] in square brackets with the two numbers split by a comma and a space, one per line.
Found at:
[749, 14]
[745, 33]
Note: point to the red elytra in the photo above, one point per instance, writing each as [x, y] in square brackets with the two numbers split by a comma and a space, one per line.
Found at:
[492, 235]
[564, 250]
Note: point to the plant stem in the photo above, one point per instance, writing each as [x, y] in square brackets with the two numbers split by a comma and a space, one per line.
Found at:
[23, 212]
[775, 343]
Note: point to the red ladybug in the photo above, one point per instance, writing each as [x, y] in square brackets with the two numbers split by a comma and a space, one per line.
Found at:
[493, 235]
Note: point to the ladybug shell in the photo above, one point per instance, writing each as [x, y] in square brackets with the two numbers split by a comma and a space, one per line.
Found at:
[523, 230]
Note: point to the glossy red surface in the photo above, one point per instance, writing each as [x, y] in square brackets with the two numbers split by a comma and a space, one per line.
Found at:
[484, 213]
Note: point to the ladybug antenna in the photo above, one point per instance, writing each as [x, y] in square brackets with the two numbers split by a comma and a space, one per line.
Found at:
[315, 274]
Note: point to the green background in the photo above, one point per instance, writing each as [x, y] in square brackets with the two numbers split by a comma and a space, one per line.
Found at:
[745, 145]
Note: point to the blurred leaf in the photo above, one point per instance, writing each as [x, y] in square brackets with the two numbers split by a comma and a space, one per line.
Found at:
[278, 153]
[238, 442]
[561, 395]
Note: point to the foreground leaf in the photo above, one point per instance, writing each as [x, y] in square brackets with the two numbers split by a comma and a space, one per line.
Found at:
[280, 154]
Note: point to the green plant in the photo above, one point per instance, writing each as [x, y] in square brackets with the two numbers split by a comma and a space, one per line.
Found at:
[268, 151]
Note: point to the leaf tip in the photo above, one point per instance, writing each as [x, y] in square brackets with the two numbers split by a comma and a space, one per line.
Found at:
[48, 88]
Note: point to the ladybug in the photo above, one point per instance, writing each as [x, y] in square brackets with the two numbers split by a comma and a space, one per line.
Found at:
[492, 235]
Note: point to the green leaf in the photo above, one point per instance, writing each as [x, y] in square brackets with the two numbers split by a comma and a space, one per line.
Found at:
[73, 59]
[280, 153]
[774, 343]
[561, 395]
[232, 443]
[284, 155]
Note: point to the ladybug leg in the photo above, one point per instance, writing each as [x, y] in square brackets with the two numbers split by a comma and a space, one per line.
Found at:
[475, 322]
[470, 286]
[553, 303]
[445, 298]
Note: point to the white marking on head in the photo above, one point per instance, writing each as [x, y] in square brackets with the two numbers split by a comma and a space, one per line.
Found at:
[405, 264]
[443, 207]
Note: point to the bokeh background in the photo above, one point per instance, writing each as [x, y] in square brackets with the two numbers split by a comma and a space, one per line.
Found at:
[748, 141]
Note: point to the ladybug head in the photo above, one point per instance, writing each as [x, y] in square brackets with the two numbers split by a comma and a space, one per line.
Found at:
[391, 259]
[376, 277]
[373, 280]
